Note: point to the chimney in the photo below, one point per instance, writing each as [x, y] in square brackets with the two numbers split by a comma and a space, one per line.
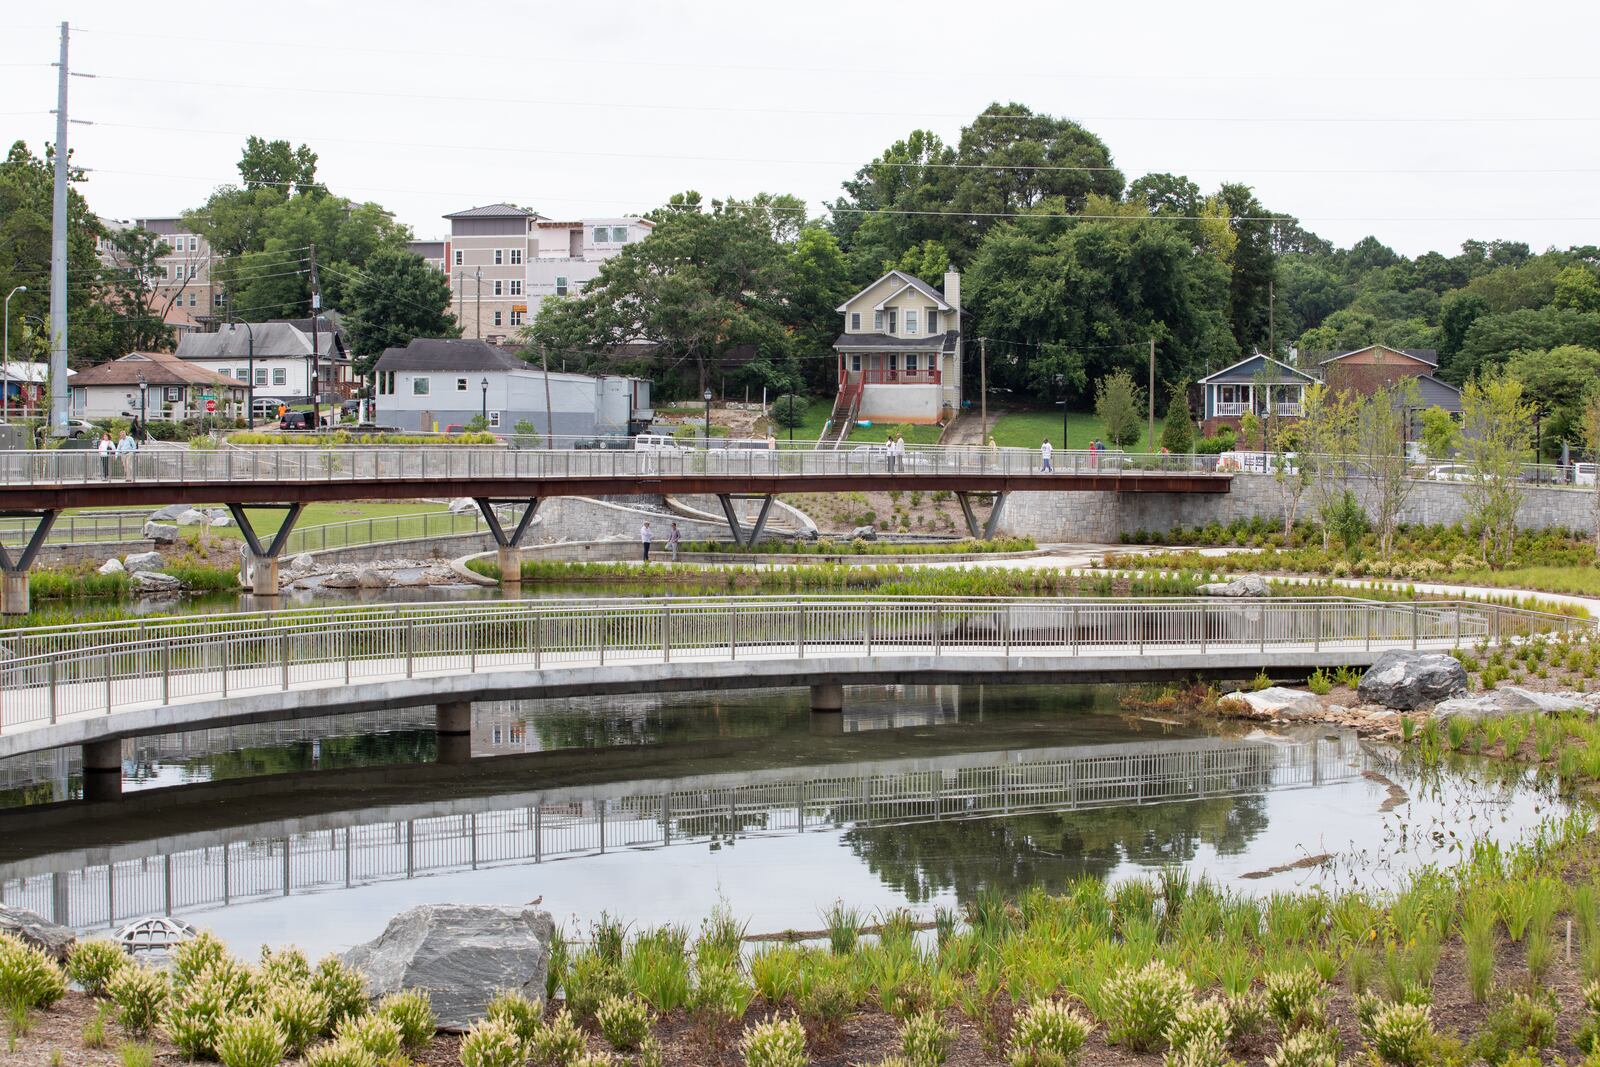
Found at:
[952, 288]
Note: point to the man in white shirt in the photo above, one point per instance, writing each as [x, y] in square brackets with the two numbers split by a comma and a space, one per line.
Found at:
[1044, 457]
[645, 537]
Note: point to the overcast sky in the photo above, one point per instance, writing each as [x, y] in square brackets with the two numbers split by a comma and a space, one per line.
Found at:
[1358, 117]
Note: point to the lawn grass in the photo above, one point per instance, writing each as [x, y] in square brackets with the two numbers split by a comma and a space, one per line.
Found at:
[1025, 429]
[879, 431]
[267, 520]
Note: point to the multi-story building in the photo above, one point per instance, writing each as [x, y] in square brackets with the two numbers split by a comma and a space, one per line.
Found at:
[899, 357]
[431, 252]
[184, 288]
[569, 254]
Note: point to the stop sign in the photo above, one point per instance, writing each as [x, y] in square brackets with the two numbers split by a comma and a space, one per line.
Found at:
[211, 405]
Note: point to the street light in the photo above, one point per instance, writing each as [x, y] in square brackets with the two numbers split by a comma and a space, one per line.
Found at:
[250, 336]
[144, 409]
[486, 402]
[1061, 382]
[5, 381]
[708, 418]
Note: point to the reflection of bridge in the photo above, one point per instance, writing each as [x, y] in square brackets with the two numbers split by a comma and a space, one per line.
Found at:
[198, 871]
[92, 685]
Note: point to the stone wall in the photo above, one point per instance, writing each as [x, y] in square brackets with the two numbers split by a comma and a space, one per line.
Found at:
[1102, 518]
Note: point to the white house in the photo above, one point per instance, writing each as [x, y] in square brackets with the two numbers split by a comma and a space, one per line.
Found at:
[899, 357]
[280, 355]
[173, 388]
[433, 384]
[569, 254]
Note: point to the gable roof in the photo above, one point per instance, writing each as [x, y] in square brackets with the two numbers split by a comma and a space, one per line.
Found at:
[157, 368]
[272, 340]
[907, 281]
[1246, 369]
[494, 211]
[448, 354]
[1430, 356]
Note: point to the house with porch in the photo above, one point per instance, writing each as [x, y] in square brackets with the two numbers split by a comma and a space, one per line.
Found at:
[174, 389]
[899, 357]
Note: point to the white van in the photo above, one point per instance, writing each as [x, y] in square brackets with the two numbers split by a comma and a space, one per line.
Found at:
[1583, 473]
[657, 442]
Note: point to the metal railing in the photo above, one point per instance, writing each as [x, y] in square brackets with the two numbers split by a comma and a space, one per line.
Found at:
[554, 825]
[109, 527]
[55, 673]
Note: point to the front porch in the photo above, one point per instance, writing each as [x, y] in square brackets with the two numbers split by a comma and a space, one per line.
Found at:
[892, 386]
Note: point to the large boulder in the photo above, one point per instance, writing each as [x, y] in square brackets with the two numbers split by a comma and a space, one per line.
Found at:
[111, 566]
[36, 930]
[1244, 585]
[864, 533]
[463, 504]
[1507, 700]
[135, 562]
[1403, 680]
[373, 578]
[152, 583]
[461, 955]
[161, 533]
[168, 513]
[193, 517]
[1482, 706]
[1275, 702]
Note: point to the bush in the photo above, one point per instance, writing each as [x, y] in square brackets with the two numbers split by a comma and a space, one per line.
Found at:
[623, 1021]
[1048, 1031]
[1204, 1049]
[340, 1054]
[926, 1040]
[249, 1041]
[194, 1018]
[92, 964]
[300, 1015]
[491, 1043]
[194, 956]
[1294, 999]
[1401, 1034]
[517, 1011]
[1520, 1022]
[376, 1034]
[557, 1043]
[140, 996]
[284, 966]
[343, 987]
[589, 980]
[790, 410]
[1306, 1048]
[1197, 1020]
[778, 1043]
[412, 1012]
[721, 997]
[28, 977]
[1141, 1004]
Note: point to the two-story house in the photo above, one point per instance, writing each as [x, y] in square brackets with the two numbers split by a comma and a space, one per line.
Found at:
[278, 353]
[899, 357]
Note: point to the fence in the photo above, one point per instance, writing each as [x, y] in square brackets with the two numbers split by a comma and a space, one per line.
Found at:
[558, 825]
[53, 673]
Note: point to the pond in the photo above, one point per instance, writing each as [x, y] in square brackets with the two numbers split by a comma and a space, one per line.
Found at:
[655, 808]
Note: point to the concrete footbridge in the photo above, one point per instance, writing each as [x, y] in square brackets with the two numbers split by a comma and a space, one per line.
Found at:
[93, 685]
[39, 485]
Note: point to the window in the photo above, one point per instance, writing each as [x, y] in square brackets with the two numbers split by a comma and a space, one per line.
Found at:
[499, 256]
[877, 322]
[516, 286]
[385, 382]
[619, 234]
[892, 317]
[855, 362]
[516, 317]
[192, 298]
[933, 320]
[218, 299]
[173, 394]
[494, 418]
[461, 385]
[419, 386]
[855, 321]
[499, 287]
[194, 244]
[911, 322]
[516, 256]
[911, 363]
[561, 285]
[497, 318]
[193, 270]
[261, 376]
[894, 360]
[164, 272]
[601, 235]
[242, 373]
[458, 257]
[280, 376]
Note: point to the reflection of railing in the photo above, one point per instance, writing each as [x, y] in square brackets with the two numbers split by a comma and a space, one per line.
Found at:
[61, 672]
[215, 869]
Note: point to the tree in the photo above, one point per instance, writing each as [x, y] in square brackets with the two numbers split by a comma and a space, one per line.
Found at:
[1576, 290]
[1439, 433]
[1560, 379]
[1177, 433]
[397, 297]
[1118, 402]
[1252, 265]
[1494, 443]
[277, 166]
[1491, 339]
[1380, 431]
[1327, 427]
[1591, 442]
[817, 281]
[132, 289]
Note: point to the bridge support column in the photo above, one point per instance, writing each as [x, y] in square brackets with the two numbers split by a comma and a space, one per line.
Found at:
[102, 770]
[452, 724]
[827, 697]
[14, 598]
[740, 537]
[986, 531]
[260, 568]
[508, 544]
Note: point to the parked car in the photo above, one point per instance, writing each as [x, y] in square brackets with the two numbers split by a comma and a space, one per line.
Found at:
[1450, 472]
[81, 428]
[657, 442]
[298, 420]
[1584, 473]
[1258, 462]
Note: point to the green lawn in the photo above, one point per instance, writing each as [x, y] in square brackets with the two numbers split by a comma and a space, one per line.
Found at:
[879, 431]
[1025, 429]
[381, 512]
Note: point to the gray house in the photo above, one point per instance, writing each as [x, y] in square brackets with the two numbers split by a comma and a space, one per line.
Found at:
[434, 384]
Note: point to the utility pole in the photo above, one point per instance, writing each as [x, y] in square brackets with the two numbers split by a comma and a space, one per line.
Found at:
[1272, 325]
[1152, 397]
[478, 273]
[60, 395]
[316, 362]
[549, 413]
[983, 392]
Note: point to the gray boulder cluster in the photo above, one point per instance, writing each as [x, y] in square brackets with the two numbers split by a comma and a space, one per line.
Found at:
[1244, 585]
[1513, 700]
[1275, 702]
[146, 573]
[162, 525]
[303, 572]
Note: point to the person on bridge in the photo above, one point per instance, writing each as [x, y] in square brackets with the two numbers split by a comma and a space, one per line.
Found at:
[645, 537]
[674, 536]
[106, 449]
[1044, 457]
[127, 446]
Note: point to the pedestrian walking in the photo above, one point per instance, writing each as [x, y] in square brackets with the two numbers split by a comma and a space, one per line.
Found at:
[645, 537]
[127, 447]
[106, 449]
[674, 536]
[1045, 451]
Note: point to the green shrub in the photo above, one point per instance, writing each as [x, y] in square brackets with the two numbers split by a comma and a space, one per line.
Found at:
[343, 987]
[623, 1021]
[517, 1011]
[92, 964]
[1519, 1022]
[375, 1033]
[777, 1043]
[299, 1014]
[594, 1059]
[1401, 1034]
[283, 966]
[1247, 1014]
[825, 1000]
[28, 976]
[194, 956]
[926, 1040]
[589, 980]
[1306, 1048]
[491, 1043]
[140, 996]
[1140, 1005]
[1294, 999]
[1320, 682]
[94, 1031]
[135, 1055]
[1205, 1049]
[195, 1014]
[340, 1054]
[775, 970]
[557, 1042]
[720, 997]
[249, 1041]
[1199, 1019]
[412, 1012]
[1048, 1032]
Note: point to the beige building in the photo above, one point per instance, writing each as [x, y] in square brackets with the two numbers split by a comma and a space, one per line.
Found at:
[899, 357]
[184, 276]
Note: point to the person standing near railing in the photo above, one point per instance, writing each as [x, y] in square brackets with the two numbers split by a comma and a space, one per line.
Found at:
[1045, 452]
[126, 448]
[105, 448]
[645, 537]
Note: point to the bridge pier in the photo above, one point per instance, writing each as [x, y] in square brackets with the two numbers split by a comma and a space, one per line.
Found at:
[102, 770]
[14, 599]
[827, 697]
[509, 545]
[452, 723]
[260, 567]
[986, 531]
[740, 537]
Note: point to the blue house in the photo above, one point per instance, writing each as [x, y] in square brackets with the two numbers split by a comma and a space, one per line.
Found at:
[1259, 384]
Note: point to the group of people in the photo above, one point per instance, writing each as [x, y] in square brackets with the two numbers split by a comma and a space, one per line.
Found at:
[895, 452]
[1096, 447]
[674, 538]
[123, 448]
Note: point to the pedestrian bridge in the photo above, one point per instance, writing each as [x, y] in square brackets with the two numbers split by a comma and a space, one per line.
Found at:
[205, 869]
[95, 684]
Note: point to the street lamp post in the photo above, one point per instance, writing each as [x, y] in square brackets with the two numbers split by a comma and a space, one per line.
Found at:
[250, 395]
[144, 407]
[1061, 382]
[708, 418]
[5, 368]
[485, 403]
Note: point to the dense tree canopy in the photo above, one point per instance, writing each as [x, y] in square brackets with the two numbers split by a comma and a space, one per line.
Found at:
[397, 297]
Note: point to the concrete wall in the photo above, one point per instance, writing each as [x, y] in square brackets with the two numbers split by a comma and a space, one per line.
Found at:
[1103, 518]
[900, 403]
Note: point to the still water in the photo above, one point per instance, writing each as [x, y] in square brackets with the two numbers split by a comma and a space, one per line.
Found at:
[654, 808]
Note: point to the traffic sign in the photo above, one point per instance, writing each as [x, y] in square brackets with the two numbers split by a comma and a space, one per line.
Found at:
[211, 405]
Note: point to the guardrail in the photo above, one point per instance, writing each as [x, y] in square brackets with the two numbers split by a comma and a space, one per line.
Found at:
[57, 673]
[96, 527]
